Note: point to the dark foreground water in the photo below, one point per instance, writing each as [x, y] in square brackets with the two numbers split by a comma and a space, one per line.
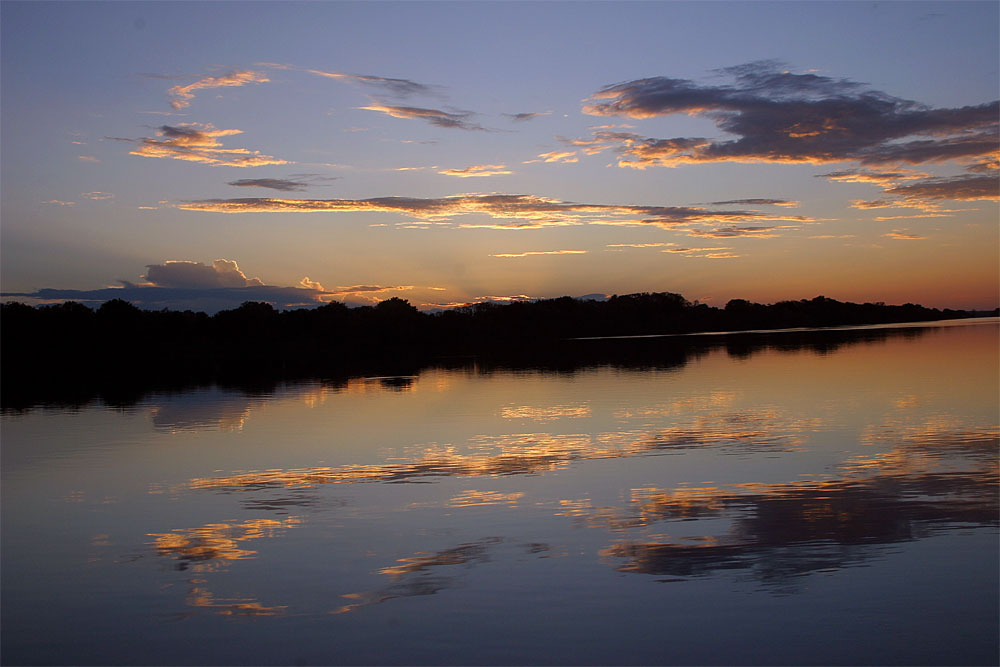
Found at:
[744, 503]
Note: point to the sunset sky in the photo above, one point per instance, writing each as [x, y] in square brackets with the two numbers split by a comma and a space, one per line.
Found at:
[198, 155]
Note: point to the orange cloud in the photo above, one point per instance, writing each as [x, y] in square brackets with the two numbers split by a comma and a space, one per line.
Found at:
[903, 236]
[778, 116]
[196, 142]
[517, 211]
[477, 170]
[182, 95]
[451, 120]
[555, 156]
[541, 252]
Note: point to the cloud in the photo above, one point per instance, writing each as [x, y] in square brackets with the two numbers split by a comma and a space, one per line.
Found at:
[87, 158]
[517, 210]
[98, 195]
[733, 232]
[310, 284]
[386, 85]
[555, 156]
[904, 236]
[181, 96]
[283, 184]
[184, 284]
[704, 253]
[456, 120]
[755, 202]
[873, 177]
[185, 273]
[970, 187]
[477, 170]
[541, 252]
[640, 245]
[926, 194]
[778, 116]
[60, 202]
[199, 142]
[528, 115]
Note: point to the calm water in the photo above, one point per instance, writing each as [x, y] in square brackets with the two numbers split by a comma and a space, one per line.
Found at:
[748, 505]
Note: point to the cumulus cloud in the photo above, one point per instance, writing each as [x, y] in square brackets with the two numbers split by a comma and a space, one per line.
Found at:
[450, 120]
[184, 284]
[517, 211]
[778, 116]
[540, 252]
[478, 170]
[185, 273]
[181, 96]
[199, 142]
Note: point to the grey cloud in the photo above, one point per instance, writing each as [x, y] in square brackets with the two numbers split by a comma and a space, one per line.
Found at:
[285, 185]
[527, 115]
[514, 211]
[187, 274]
[778, 116]
[451, 120]
[962, 188]
[755, 202]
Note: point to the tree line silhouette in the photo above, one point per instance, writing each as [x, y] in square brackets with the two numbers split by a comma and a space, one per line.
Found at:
[69, 346]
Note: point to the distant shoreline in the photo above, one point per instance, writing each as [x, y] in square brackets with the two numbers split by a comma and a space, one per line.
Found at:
[979, 319]
[70, 354]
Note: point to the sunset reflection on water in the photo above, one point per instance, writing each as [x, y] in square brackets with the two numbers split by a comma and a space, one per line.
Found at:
[554, 501]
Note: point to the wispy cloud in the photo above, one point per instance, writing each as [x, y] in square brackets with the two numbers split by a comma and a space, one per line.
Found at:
[60, 202]
[736, 232]
[527, 115]
[478, 170]
[293, 183]
[755, 202]
[540, 252]
[98, 195]
[450, 120]
[199, 142]
[385, 85]
[640, 245]
[779, 116]
[903, 236]
[883, 178]
[517, 210]
[555, 156]
[283, 184]
[181, 96]
[969, 187]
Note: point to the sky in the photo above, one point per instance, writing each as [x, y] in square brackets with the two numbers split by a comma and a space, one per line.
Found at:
[198, 155]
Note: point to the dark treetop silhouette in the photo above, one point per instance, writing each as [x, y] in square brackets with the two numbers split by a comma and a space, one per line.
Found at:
[69, 351]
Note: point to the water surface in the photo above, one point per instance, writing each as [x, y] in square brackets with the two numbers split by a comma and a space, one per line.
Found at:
[788, 502]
